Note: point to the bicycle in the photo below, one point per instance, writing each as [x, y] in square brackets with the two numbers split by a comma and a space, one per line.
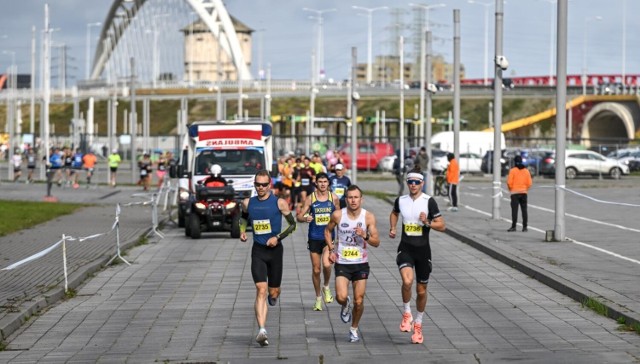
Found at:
[441, 187]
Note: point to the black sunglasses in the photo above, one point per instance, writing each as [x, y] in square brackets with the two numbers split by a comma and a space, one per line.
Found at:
[413, 182]
[258, 184]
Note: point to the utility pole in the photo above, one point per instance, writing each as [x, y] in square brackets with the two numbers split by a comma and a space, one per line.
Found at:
[497, 114]
[134, 126]
[456, 83]
[561, 99]
[354, 116]
[428, 104]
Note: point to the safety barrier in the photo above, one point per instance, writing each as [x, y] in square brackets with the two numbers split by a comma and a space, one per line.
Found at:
[151, 198]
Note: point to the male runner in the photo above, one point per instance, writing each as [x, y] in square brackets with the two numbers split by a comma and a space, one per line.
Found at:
[316, 210]
[264, 212]
[356, 229]
[420, 214]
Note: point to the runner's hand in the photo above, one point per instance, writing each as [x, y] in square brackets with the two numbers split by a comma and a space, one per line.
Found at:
[392, 233]
[243, 237]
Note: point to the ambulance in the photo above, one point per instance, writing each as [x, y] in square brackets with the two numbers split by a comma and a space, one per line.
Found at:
[241, 148]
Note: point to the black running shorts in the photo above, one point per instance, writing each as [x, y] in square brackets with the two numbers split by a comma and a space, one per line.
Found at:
[316, 246]
[266, 264]
[353, 272]
[415, 257]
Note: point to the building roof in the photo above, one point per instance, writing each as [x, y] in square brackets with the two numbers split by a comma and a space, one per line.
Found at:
[200, 27]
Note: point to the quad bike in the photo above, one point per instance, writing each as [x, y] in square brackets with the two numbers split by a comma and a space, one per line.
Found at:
[213, 209]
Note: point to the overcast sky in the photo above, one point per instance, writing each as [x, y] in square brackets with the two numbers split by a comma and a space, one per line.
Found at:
[289, 34]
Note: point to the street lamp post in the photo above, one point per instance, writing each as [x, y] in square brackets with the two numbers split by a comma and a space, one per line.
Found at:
[369, 37]
[585, 43]
[88, 55]
[552, 8]
[320, 45]
[486, 37]
[423, 33]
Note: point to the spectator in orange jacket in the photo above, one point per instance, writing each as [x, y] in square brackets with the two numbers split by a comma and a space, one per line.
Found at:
[519, 182]
[453, 178]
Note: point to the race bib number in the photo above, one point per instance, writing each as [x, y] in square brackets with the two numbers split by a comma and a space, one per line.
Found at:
[339, 191]
[261, 227]
[413, 229]
[322, 219]
[351, 253]
[143, 172]
[305, 181]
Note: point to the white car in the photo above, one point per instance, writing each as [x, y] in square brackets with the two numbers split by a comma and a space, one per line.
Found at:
[579, 162]
[470, 163]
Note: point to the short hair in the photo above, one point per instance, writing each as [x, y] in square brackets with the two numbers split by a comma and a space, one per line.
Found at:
[416, 169]
[322, 175]
[353, 188]
[262, 172]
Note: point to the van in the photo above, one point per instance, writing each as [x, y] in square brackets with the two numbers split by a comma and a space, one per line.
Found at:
[369, 155]
[478, 142]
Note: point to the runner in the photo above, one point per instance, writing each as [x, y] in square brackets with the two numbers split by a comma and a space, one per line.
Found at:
[89, 163]
[356, 229]
[316, 210]
[339, 184]
[31, 164]
[114, 162]
[420, 214]
[264, 212]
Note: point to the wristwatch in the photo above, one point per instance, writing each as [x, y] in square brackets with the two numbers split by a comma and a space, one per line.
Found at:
[366, 237]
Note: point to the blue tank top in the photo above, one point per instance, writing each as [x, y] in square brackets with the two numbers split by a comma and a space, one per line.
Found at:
[265, 218]
[321, 212]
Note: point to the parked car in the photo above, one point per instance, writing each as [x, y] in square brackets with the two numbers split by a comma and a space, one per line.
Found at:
[470, 163]
[531, 158]
[486, 165]
[369, 155]
[439, 160]
[586, 162]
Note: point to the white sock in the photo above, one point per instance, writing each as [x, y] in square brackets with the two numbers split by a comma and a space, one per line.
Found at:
[418, 319]
[318, 298]
[262, 329]
[354, 331]
[326, 287]
[407, 306]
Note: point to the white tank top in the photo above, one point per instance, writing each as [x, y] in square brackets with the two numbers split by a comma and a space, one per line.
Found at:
[351, 249]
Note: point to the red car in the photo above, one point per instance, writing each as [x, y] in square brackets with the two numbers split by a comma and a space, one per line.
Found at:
[369, 154]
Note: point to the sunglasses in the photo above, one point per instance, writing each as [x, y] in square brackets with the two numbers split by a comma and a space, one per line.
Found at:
[258, 184]
[413, 182]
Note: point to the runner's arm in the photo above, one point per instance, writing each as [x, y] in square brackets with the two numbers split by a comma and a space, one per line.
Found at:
[372, 230]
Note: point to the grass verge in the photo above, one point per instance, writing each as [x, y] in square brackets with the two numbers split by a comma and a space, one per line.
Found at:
[19, 215]
[596, 306]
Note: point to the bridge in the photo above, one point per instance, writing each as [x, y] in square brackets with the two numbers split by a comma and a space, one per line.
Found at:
[590, 116]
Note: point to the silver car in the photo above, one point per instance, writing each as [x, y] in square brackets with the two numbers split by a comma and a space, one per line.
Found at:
[586, 162]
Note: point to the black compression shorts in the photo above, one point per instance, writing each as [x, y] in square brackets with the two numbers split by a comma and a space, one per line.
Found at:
[353, 272]
[266, 264]
[416, 257]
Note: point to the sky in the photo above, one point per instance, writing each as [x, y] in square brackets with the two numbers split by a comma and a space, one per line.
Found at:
[289, 35]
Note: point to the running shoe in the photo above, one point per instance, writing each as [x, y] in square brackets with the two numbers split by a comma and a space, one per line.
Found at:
[345, 312]
[272, 300]
[262, 338]
[353, 336]
[417, 338]
[328, 298]
[318, 305]
[405, 325]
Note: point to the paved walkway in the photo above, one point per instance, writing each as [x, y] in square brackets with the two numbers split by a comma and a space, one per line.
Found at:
[192, 300]
[39, 283]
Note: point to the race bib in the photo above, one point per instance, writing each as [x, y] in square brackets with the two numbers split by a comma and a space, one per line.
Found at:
[305, 181]
[261, 227]
[322, 219]
[413, 229]
[143, 172]
[339, 191]
[351, 253]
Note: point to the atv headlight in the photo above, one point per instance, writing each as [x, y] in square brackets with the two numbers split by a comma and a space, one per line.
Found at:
[184, 195]
[230, 206]
[200, 206]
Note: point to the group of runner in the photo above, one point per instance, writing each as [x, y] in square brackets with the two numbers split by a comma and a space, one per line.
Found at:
[339, 233]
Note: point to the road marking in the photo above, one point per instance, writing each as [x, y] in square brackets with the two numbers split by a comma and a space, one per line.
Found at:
[567, 239]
